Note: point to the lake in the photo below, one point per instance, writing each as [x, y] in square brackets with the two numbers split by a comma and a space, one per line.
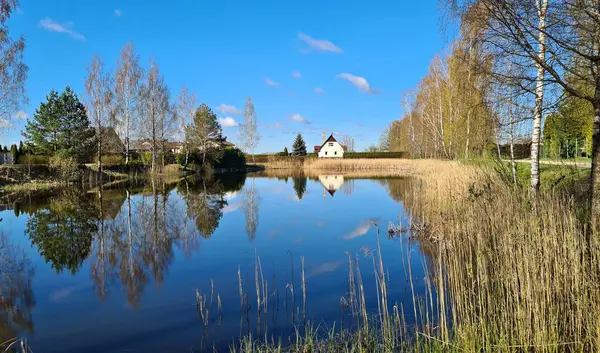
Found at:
[176, 267]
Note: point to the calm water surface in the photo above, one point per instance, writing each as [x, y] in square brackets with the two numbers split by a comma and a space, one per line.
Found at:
[119, 273]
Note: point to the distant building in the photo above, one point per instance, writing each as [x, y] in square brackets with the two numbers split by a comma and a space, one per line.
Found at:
[330, 148]
[6, 158]
[111, 142]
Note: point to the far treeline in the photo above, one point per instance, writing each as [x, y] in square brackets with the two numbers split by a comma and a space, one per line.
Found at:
[133, 106]
[517, 69]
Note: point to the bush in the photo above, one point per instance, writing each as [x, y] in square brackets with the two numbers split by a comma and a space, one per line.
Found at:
[34, 159]
[66, 167]
[232, 158]
[374, 155]
[111, 160]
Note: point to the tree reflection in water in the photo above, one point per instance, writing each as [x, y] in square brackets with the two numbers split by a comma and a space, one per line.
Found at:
[250, 208]
[129, 233]
[16, 297]
[63, 231]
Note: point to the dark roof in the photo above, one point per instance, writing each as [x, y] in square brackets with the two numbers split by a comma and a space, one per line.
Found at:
[329, 139]
[111, 142]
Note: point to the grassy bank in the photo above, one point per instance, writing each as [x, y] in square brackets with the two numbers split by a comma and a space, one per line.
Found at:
[508, 273]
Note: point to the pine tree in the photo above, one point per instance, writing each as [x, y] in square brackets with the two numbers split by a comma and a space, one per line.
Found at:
[21, 148]
[42, 131]
[78, 136]
[60, 126]
[299, 146]
[285, 152]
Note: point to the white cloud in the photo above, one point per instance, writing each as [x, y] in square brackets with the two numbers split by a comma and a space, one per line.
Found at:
[320, 44]
[296, 74]
[228, 122]
[232, 207]
[228, 109]
[50, 25]
[319, 90]
[299, 119]
[271, 82]
[118, 13]
[358, 82]
[360, 230]
[21, 115]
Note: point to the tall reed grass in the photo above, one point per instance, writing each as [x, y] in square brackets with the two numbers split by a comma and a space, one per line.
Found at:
[508, 273]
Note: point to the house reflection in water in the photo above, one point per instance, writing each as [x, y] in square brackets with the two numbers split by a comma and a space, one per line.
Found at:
[331, 183]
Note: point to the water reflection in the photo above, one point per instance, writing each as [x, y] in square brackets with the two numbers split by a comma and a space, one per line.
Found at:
[16, 295]
[250, 208]
[299, 186]
[331, 183]
[63, 231]
[123, 241]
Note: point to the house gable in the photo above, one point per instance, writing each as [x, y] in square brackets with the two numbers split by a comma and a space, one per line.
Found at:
[330, 148]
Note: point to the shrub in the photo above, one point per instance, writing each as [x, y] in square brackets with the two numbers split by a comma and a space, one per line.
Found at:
[66, 167]
[374, 155]
[111, 160]
[33, 159]
[232, 158]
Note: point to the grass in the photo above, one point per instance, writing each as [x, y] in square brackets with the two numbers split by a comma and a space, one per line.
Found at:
[507, 273]
[30, 186]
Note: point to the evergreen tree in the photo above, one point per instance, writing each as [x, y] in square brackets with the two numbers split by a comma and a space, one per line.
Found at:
[5, 149]
[15, 153]
[42, 131]
[285, 152]
[60, 126]
[78, 136]
[299, 146]
[21, 148]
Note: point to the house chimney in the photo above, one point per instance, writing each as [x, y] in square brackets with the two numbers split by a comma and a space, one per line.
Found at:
[323, 137]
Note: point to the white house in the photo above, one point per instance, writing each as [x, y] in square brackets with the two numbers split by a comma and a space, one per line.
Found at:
[330, 149]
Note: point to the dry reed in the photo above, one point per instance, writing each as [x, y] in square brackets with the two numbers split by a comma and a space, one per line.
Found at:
[507, 273]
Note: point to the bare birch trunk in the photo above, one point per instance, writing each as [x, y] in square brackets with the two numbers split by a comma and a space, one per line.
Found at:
[512, 145]
[595, 174]
[539, 100]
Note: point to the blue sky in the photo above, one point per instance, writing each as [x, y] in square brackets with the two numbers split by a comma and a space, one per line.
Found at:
[310, 66]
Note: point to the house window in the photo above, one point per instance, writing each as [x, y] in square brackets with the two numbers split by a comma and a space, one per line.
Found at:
[335, 153]
[330, 144]
[325, 152]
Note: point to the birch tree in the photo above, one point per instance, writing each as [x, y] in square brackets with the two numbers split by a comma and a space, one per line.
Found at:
[128, 76]
[571, 48]
[13, 72]
[249, 129]
[98, 85]
[185, 108]
[153, 108]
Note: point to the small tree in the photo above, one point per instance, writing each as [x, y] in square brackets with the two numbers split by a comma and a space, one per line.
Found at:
[249, 130]
[128, 78]
[98, 85]
[14, 151]
[285, 152]
[299, 146]
[205, 133]
[185, 109]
